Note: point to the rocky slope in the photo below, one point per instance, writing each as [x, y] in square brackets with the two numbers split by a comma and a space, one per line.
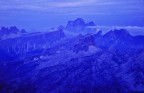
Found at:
[92, 63]
[19, 46]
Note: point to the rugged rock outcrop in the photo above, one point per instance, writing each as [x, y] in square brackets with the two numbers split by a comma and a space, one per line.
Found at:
[10, 32]
[29, 42]
[79, 25]
[119, 39]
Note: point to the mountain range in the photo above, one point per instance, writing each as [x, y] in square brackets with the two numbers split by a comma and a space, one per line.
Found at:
[53, 62]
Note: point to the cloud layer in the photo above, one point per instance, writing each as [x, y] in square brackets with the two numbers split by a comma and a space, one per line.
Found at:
[75, 6]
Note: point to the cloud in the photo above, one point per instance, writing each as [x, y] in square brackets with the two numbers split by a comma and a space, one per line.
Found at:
[74, 7]
[72, 4]
[45, 4]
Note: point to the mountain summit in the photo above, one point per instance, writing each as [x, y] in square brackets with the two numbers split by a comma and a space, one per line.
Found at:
[11, 32]
[78, 25]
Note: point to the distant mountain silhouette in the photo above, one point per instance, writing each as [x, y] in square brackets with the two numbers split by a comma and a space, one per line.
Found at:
[12, 31]
[78, 25]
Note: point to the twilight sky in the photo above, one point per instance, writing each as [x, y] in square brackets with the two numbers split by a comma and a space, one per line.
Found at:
[43, 14]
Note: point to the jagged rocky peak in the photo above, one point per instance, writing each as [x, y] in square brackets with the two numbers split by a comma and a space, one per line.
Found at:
[98, 34]
[79, 21]
[119, 39]
[122, 32]
[118, 33]
[12, 29]
[86, 39]
[61, 27]
[78, 25]
[91, 23]
[10, 32]
[83, 42]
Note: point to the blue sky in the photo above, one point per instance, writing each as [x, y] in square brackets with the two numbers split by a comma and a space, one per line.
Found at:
[43, 14]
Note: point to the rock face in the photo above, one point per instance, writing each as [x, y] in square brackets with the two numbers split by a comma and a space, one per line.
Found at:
[83, 43]
[78, 25]
[119, 39]
[92, 63]
[90, 24]
[29, 42]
